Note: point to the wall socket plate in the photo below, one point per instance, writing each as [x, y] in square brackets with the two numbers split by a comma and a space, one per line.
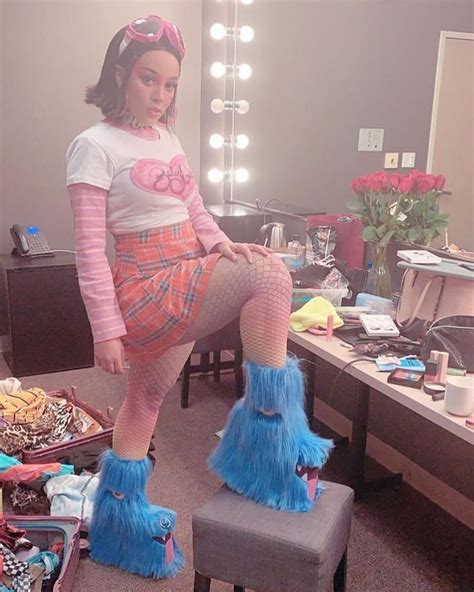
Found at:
[370, 140]
[391, 160]
[408, 160]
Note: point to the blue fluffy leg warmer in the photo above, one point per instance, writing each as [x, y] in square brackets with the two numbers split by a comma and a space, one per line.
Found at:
[126, 530]
[260, 453]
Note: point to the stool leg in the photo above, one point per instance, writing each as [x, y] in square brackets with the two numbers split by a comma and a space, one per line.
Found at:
[201, 583]
[185, 384]
[339, 580]
[239, 373]
[216, 359]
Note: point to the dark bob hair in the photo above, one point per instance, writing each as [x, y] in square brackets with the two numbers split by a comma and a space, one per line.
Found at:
[107, 95]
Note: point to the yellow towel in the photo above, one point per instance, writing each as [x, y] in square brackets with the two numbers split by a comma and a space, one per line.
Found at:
[314, 314]
[23, 406]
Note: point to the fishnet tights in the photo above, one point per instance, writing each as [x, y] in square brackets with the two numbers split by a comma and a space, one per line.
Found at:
[146, 387]
[259, 292]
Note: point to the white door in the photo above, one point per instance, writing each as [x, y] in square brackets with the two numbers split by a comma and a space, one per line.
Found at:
[450, 149]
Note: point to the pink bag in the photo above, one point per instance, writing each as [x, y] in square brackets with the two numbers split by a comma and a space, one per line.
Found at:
[426, 297]
[349, 242]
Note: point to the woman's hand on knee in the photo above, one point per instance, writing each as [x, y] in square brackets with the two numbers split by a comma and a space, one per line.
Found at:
[230, 250]
[110, 356]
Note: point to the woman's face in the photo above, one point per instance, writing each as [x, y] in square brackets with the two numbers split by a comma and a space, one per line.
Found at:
[152, 85]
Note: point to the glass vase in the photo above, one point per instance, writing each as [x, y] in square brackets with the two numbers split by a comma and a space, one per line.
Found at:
[379, 281]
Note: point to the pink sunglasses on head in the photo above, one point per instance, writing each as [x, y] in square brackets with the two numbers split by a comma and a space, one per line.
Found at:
[150, 30]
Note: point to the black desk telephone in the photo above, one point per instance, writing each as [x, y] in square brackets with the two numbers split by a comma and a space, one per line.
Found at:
[30, 242]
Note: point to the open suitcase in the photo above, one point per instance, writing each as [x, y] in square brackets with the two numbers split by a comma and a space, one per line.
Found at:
[42, 531]
[80, 452]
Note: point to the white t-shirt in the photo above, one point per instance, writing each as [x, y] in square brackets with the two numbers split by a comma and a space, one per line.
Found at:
[134, 180]
[148, 179]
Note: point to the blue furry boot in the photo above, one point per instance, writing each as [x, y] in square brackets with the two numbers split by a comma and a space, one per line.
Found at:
[126, 530]
[267, 452]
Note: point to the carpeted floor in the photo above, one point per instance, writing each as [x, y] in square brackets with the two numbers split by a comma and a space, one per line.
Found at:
[400, 541]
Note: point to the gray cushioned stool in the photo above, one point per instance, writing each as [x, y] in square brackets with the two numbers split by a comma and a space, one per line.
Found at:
[251, 546]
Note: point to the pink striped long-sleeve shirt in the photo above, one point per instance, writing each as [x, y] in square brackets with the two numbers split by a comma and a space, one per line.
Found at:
[95, 277]
[126, 180]
[89, 205]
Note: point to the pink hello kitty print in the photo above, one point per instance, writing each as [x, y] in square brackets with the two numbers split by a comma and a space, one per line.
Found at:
[174, 179]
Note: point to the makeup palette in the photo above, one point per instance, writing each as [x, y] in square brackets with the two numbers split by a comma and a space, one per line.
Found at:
[406, 378]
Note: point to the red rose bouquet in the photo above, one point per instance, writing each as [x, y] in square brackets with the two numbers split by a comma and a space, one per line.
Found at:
[403, 207]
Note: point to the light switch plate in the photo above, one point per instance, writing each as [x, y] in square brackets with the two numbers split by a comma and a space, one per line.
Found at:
[391, 160]
[408, 160]
[370, 140]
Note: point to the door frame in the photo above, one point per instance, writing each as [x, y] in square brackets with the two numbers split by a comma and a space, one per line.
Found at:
[443, 37]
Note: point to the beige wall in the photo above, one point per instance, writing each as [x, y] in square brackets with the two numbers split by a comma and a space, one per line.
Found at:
[51, 51]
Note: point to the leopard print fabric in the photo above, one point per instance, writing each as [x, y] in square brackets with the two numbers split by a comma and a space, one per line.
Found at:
[46, 430]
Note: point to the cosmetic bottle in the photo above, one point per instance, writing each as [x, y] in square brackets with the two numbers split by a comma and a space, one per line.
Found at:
[431, 371]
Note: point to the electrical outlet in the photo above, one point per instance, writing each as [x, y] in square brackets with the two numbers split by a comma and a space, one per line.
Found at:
[408, 160]
[370, 140]
[391, 160]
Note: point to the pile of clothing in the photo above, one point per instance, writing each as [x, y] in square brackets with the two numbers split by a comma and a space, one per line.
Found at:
[30, 419]
[28, 496]
[56, 490]
[24, 567]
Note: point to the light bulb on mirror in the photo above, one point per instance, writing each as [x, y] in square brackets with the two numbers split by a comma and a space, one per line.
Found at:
[218, 70]
[246, 34]
[241, 175]
[215, 175]
[241, 141]
[242, 107]
[217, 105]
[246, 1]
[218, 31]
[245, 71]
[216, 141]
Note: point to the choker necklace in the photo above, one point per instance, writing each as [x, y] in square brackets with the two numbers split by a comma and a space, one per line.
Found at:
[130, 120]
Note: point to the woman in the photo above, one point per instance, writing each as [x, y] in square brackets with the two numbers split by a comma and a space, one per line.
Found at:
[177, 278]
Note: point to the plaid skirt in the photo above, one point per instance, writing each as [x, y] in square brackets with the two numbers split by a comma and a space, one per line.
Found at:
[160, 278]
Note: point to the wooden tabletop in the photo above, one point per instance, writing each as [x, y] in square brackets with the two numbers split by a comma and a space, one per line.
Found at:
[366, 371]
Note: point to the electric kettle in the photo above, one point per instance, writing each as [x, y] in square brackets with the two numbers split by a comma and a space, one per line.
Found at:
[273, 235]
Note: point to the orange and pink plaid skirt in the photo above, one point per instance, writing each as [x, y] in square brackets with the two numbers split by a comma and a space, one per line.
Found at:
[160, 278]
